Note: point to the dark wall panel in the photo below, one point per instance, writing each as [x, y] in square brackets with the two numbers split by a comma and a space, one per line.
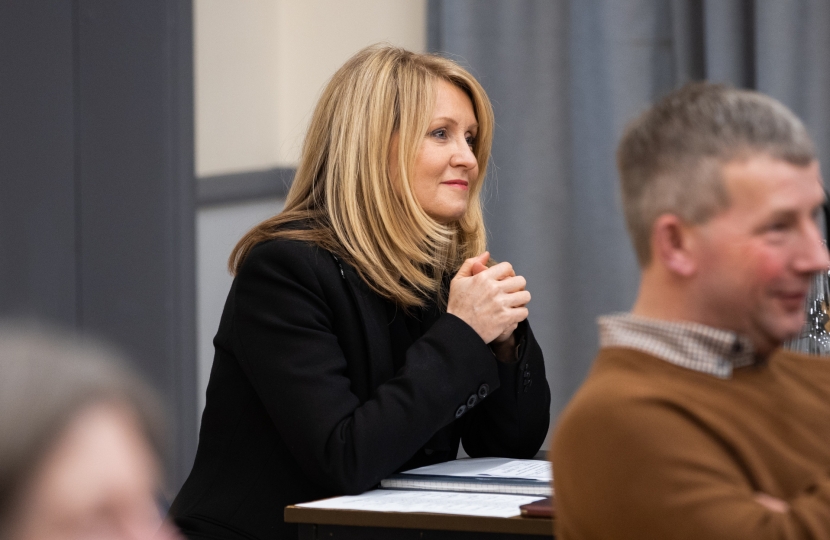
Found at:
[137, 194]
[97, 194]
[37, 189]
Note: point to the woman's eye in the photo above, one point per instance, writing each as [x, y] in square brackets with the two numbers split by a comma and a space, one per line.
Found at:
[471, 140]
[440, 133]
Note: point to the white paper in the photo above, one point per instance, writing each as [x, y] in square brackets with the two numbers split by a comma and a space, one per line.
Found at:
[527, 469]
[522, 468]
[436, 502]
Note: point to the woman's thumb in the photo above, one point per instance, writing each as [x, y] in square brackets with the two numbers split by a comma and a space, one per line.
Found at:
[474, 265]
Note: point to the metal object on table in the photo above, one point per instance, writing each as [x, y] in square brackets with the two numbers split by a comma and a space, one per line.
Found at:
[815, 335]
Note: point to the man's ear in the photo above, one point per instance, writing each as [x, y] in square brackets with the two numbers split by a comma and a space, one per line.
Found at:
[672, 245]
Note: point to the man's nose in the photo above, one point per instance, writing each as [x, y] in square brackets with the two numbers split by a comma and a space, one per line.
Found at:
[815, 257]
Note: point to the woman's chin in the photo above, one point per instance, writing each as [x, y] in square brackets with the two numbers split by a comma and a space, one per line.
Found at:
[449, 216]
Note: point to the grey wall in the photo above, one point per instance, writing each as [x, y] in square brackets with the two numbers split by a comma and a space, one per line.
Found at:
[219, 226]
[564, 77]
[37, 165]
[96, 184]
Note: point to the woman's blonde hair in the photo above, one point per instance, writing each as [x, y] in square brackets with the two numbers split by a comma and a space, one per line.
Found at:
[342, 192]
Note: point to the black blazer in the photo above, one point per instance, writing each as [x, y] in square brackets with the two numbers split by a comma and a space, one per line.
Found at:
[303, 402]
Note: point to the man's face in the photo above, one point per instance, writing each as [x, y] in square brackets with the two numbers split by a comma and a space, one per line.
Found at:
[756, 258]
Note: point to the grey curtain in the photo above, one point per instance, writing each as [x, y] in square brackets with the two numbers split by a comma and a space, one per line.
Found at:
[564, 78]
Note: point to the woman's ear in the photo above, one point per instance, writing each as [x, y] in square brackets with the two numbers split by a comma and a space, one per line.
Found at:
[672, 244]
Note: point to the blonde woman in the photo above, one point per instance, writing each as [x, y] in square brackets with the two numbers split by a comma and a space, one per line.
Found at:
[347, 350]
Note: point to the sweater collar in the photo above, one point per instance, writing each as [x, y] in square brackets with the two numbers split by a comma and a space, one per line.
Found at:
[690, 345]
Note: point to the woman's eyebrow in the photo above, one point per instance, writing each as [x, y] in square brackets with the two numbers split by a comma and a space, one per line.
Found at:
[453, 121]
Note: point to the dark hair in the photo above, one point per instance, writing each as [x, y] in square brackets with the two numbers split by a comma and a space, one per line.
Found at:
[48, 377]
[670, 157]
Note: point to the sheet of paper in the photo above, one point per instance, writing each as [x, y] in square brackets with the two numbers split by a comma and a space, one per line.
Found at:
[436, 502]
[461, 467]
[530, 469]
[522, 468]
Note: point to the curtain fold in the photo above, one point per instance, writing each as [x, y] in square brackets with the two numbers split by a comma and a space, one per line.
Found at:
[565, 77]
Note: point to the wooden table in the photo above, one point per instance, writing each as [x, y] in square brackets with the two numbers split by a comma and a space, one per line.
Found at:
[320, 523]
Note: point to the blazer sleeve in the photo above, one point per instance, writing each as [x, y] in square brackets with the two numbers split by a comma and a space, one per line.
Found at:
[514, 420]
[284, 337]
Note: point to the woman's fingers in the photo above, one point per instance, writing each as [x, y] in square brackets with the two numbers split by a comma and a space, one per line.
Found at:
[471, 265]
[499, 271]
[518, 299]
[491, 300]
[521, 313]
[513, 284]
[478, 268]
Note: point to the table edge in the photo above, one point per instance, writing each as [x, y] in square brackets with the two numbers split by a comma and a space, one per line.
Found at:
[405, 520]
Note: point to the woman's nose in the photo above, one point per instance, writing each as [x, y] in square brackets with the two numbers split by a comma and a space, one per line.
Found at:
[463, 156]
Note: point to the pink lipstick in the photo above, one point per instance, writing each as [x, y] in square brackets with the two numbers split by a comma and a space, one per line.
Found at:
[463, 184]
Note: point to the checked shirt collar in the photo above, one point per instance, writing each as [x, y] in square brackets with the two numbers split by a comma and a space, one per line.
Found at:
[686, 344]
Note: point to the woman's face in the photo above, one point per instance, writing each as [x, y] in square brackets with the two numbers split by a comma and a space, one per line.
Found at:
[445, 166]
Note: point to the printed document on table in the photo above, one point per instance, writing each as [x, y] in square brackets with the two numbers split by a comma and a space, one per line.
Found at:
[436, 502]
[528, 469]
[525, 469]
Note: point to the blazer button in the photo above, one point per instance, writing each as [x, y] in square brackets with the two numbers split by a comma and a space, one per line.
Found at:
[471, 401]
[460, 411]
[483, 390]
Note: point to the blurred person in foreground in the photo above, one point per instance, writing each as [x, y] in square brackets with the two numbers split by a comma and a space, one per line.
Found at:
[79, 442]
[364, 333]
[693, 422]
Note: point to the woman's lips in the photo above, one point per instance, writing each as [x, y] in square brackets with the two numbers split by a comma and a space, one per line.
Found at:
[463, 184]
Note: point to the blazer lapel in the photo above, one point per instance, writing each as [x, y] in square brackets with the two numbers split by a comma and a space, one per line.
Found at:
[372, 313]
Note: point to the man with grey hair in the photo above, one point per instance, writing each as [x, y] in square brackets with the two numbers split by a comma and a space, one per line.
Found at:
[693, 423]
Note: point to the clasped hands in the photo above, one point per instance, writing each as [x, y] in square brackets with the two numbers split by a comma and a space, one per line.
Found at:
[491, 300]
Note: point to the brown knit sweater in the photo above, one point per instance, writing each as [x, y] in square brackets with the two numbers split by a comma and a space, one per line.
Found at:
[651, 450]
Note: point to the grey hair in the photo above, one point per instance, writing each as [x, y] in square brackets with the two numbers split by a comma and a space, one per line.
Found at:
[670, 157]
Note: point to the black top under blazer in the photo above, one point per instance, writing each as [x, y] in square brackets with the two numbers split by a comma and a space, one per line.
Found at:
[304, 402]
